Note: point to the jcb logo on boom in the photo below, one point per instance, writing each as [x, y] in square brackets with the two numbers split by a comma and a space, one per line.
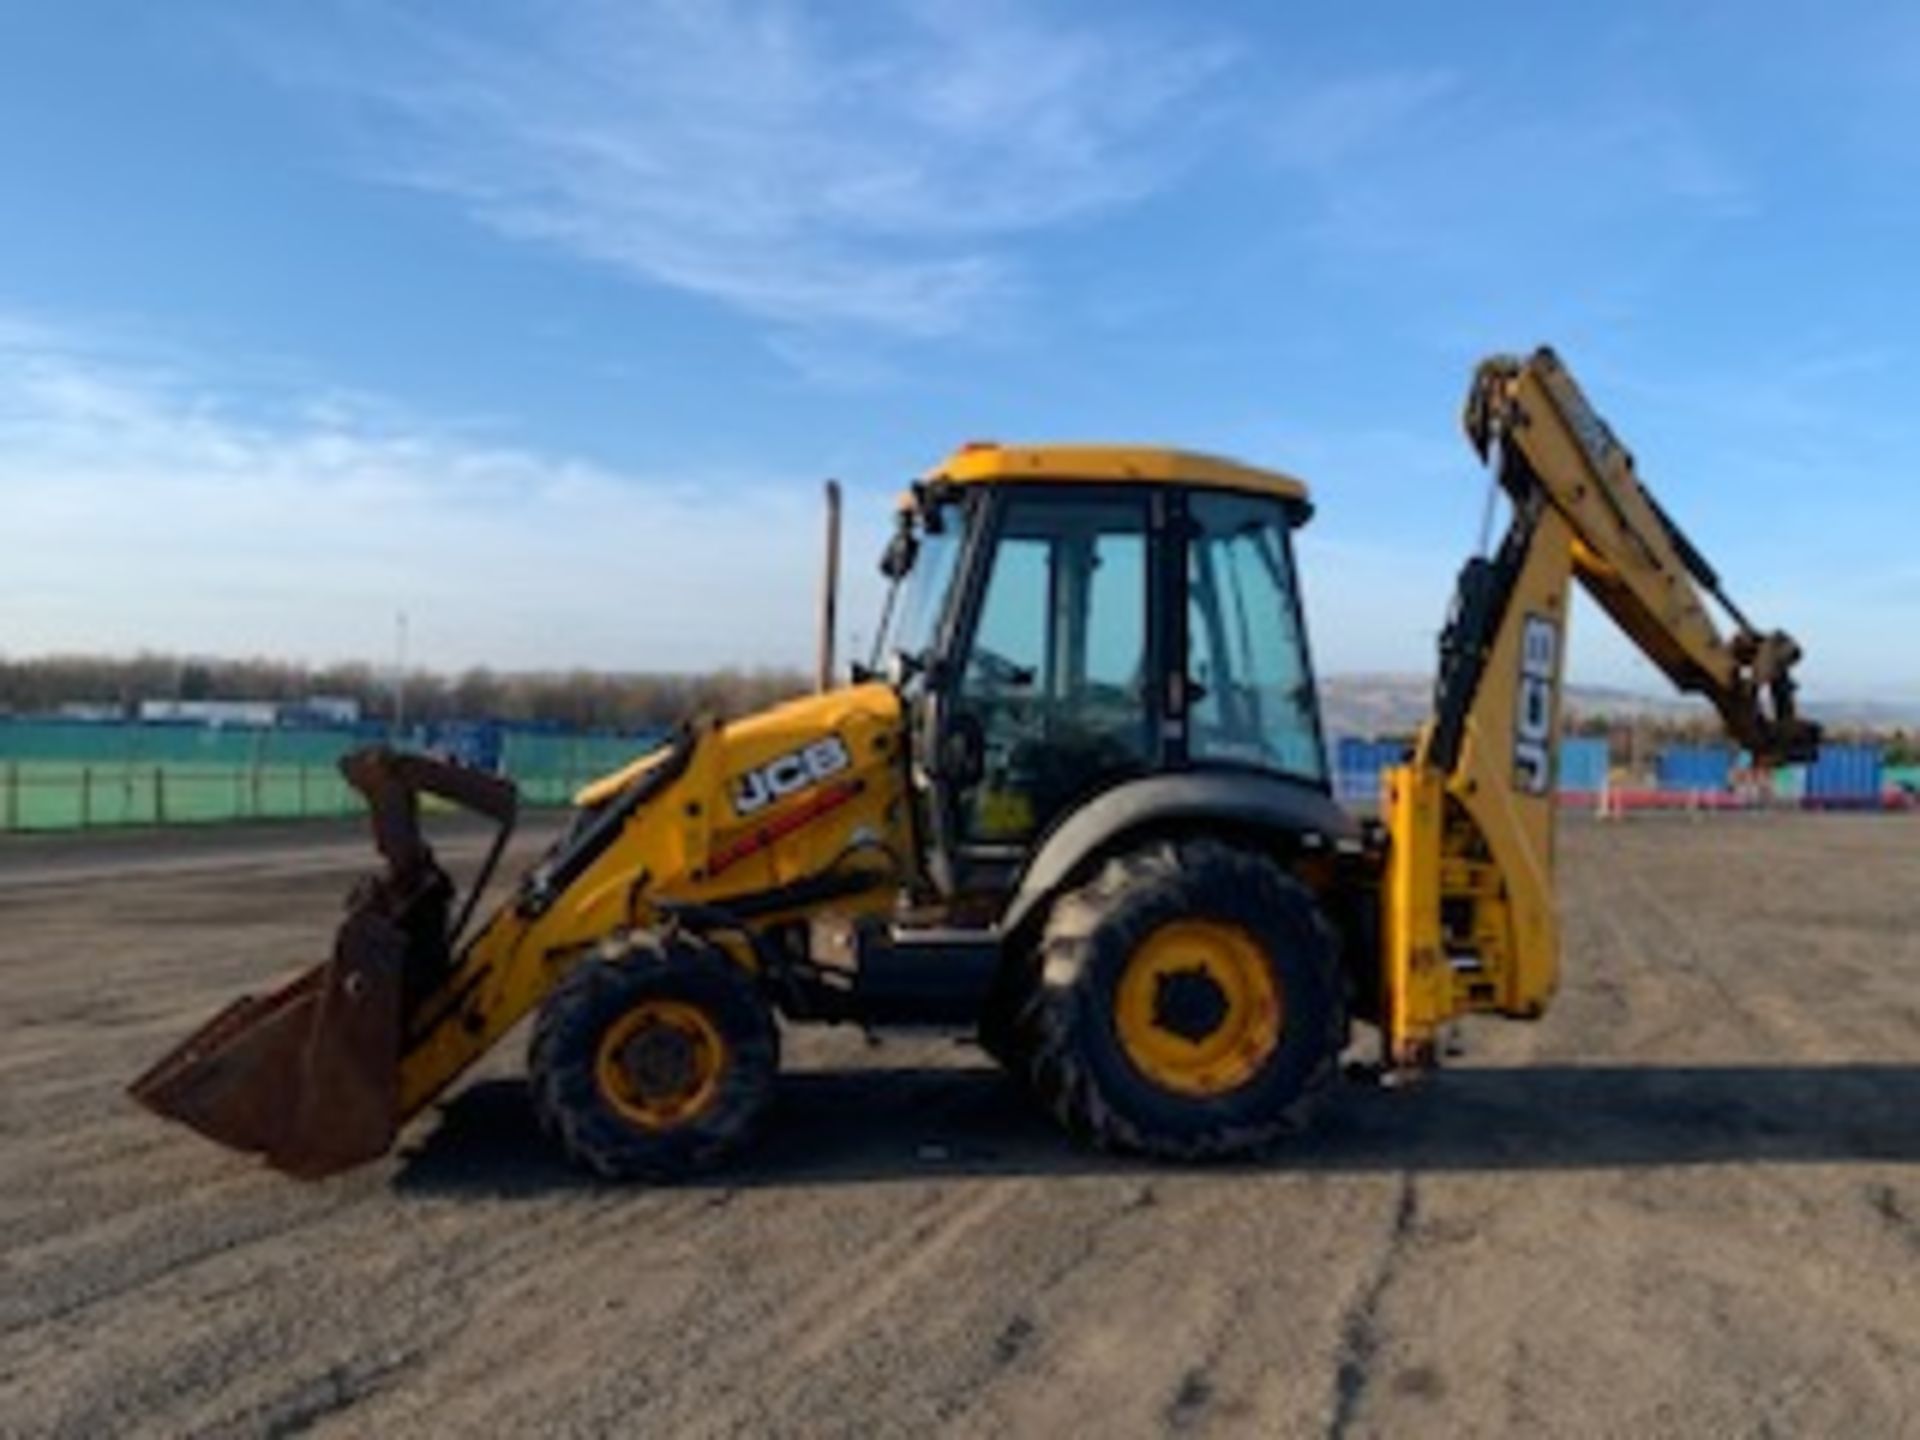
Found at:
[1534, 706]
[793, 772]
[1592, 432]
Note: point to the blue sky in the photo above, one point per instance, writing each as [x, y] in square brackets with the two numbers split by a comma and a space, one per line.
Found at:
[543, 322]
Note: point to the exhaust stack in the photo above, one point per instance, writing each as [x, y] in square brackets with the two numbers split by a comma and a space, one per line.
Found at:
[829, 592]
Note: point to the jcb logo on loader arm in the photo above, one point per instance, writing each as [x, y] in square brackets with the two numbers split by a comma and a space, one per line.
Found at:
[1534, 705]
[792, 772]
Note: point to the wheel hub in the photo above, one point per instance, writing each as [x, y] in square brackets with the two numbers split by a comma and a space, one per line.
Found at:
[1198, 1008]
[660, 1064]
[1189, 1003]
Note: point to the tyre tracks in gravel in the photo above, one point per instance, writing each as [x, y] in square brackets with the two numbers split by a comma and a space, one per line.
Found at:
[909, 1260]
[1360, 1326]
[1669, 1275]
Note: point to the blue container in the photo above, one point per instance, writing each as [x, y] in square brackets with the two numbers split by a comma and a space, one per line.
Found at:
[1694, 769]
[1357, 765]
[1846, 775]
[1583, 765]
[476, 743]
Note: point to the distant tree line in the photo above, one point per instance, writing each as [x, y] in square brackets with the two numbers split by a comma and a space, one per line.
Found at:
[1638, 737]
[585, 699]
[591, 699]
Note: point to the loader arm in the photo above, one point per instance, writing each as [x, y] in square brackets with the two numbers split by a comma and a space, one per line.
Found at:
[1467, 897]
[321, 1073]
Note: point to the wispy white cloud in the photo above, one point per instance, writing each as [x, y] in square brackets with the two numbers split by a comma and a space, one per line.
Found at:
[146, 507]
[1423, 162]
[1339, 121]
[772, 156]
[831, 363]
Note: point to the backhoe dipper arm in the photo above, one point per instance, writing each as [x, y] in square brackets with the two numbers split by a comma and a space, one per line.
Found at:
[1532, 421]
[1467, 895]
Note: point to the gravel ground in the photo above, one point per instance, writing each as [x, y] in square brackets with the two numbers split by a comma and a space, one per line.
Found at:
[1686, 1203]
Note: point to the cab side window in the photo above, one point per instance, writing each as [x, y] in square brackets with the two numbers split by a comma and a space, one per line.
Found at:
[1252, 695]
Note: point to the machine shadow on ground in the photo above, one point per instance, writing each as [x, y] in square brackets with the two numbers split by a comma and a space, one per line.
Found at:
[864, 1125]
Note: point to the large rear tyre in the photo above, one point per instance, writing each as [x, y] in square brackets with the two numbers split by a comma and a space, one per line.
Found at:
[654, 1060]
[1189, 1005]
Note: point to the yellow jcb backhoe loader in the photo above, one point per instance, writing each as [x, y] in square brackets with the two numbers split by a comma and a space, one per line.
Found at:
[1078, 805]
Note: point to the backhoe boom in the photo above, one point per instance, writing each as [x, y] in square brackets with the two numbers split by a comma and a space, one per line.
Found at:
[1467, 899]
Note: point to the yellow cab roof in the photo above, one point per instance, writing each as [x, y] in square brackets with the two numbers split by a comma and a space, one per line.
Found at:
[991, 463]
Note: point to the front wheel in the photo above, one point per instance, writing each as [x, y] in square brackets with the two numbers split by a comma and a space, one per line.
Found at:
[1188, 1005]
[654, 1060]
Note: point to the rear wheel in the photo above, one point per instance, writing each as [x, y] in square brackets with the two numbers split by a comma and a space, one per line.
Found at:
[1188, 1004]
[654, 1060]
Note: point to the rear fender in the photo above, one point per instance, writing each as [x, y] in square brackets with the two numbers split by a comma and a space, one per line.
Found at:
[1243, 801]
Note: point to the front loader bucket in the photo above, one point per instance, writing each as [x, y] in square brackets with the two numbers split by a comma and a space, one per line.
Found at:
[307, 1076]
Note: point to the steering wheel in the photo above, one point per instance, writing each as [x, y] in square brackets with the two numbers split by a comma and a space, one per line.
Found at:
[998, 671]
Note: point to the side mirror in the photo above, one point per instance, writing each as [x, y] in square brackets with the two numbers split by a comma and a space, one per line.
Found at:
[902, 550]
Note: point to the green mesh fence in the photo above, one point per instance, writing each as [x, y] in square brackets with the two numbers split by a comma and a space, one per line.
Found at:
[549, 768]
[79, 776]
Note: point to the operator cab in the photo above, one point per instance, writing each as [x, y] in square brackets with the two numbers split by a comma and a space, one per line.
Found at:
[1074, 617]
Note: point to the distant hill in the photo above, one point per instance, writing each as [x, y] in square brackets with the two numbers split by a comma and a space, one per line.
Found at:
[1395, 704]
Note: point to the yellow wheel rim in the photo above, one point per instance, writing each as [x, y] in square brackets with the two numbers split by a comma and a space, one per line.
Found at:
[1198, 1010]
[660, 1064]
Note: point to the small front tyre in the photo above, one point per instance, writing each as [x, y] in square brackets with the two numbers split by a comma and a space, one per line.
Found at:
[654, 1060]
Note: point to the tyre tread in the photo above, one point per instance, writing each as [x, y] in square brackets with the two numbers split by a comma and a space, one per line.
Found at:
[1106, 911]
[561, 1054]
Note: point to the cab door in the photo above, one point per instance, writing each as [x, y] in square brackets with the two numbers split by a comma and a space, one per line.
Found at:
[1052, 685]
